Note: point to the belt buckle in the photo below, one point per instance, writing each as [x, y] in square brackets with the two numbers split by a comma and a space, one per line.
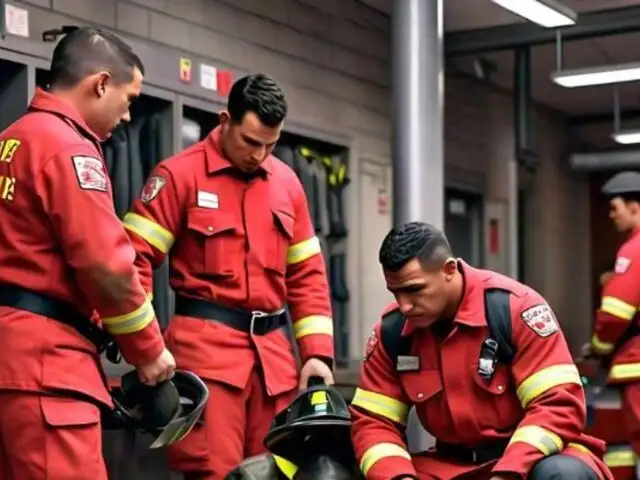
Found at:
[255, 314]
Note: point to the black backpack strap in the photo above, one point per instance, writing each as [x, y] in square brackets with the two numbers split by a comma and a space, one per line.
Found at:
[498, 315]
[391, 336]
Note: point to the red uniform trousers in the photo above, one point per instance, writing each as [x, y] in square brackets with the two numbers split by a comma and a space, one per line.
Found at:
[631, 414]
[233, 428]
[59, 438]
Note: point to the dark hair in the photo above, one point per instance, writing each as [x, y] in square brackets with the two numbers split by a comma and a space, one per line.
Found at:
[630, 197]
[260, 94]
[412, 240]
[87, 51]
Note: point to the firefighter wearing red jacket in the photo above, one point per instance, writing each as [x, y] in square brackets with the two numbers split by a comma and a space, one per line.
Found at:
[616, 330]
[236, 225]
[525, 420]
[64, 253]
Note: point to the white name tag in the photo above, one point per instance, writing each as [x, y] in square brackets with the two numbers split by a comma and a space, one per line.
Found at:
[207, 200]
[407, 363]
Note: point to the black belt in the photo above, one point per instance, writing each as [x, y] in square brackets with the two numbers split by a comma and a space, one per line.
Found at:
[256, 322]
[59, 310]
[478, 455]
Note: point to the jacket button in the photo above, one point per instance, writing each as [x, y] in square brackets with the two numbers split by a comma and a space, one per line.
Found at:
[210, 228]
[500, 388]
[420, 395]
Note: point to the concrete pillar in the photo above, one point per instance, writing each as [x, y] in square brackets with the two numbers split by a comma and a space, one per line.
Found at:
[418, 103]
[418, 127]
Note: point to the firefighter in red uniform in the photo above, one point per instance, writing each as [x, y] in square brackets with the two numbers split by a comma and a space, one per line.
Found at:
[236, 225]
[63, 256]
[616, 337]
[492, 421]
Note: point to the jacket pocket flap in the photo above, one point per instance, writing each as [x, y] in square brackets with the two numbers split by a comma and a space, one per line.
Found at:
[209, 222]
[67, 412]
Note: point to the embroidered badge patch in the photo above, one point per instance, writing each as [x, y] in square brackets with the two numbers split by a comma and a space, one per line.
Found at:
[540, 319]
[91, 173]
[152, 188]
[622, 265]
[372, 343]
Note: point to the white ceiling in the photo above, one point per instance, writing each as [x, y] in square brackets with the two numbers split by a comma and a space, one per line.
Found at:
[471, 14]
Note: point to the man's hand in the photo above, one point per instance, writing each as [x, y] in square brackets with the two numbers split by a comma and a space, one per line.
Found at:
[162, 368]
[314, 367]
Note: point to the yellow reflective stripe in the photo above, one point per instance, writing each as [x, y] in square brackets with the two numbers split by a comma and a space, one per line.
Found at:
[380, 451]
[544, 440]
[313, 324]
[304, 250]
[580, 448]
[546, 379]
[130, 322]
[600, 346]
[618, 308]
[382, 405]
[624, 371]
[286, 467]
[619, 456]
[154, 234]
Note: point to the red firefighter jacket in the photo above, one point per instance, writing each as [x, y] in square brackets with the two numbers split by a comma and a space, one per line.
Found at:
[243, 243]
[618, 312]
[61, 238]
[537, 402]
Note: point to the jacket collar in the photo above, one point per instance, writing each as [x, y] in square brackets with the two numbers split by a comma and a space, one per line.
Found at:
[216, 160]
[471, 310]
[47, 102]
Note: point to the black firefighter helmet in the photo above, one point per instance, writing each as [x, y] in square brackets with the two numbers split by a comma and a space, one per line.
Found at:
[621, 184]
[167, 411]
[316, 423]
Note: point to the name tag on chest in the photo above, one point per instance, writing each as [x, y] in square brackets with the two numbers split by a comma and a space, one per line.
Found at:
[207, 200]
[407, 363]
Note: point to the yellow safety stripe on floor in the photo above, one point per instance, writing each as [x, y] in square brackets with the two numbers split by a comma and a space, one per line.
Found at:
[304, 250]
[618, 308]
[288, 468]
[625, 371]
[620, 456]
[601, 347]
[546, 379]
[130, 322]
[154, 234]
[313, 324]
[382, 405]
[544, 440]
[380, 451]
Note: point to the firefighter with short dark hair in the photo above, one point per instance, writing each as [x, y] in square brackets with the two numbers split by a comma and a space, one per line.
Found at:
[64, 253]
[234, 221]
[492, 419]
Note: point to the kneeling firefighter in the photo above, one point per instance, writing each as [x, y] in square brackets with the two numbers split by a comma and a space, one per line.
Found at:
[310, 440]
[167, 411]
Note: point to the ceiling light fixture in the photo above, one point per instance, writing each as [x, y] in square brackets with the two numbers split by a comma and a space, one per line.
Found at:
[626, 137]
[585, 77]
[547, 13]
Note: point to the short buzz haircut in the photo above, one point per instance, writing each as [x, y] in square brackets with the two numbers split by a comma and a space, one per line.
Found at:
[418, 240]
[87, 51]
[260, 94]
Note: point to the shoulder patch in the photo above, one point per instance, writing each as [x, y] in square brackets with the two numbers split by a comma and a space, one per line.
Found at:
[372, 343]
[622, 265]
[152, 188]
[91, 173]
[540, 319]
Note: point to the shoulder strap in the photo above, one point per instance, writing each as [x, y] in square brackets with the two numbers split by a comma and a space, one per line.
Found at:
[498, 315]
[391, 335]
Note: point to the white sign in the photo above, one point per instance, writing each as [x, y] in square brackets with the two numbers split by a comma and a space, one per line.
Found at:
[208, 77]
[17, 21]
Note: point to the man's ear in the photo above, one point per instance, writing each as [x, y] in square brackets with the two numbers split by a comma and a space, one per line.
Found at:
[449, 267]
[101, 81]
[224, 117]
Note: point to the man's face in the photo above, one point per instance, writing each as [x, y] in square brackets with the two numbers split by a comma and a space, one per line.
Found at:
[248, 143]
[422, 294]
[114, 102]
[623, 214]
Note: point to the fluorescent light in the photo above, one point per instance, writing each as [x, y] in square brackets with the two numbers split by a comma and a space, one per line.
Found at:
[626, 137]
[584, 77]
[547, 13]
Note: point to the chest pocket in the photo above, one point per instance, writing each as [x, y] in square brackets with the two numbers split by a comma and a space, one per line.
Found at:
[422, 385]
[277, 246]
[220, 239]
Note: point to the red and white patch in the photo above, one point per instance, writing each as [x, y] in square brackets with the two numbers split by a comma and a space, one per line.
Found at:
[91, 173]
[540, 319]
[372, 343]
[152, 188]
[622, 265]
